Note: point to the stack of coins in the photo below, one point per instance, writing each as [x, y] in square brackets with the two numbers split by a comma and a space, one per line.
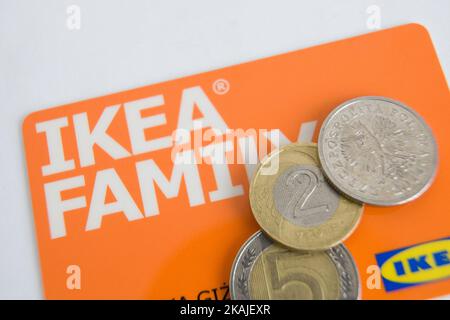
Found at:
[307, 198]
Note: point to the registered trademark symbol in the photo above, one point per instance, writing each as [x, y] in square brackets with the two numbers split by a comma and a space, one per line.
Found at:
[221, 86]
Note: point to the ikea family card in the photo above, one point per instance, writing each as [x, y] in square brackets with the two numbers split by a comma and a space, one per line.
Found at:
[142, 194]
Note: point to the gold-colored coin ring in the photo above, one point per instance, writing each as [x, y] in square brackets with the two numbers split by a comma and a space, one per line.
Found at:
[335, 229]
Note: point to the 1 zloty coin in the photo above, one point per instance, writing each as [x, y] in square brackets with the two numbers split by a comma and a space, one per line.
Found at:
[377, 151]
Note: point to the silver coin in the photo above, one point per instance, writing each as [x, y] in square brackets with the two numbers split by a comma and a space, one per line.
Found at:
[305, 277]
[377, 151]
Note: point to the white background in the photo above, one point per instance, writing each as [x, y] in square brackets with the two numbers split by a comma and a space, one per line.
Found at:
[126, 44]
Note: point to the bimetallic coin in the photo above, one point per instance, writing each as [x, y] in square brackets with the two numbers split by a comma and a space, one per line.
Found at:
[267, 270]
[295, 205]
[377, 151]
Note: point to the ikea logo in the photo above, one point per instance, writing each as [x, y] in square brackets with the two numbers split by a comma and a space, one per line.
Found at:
[414, 265]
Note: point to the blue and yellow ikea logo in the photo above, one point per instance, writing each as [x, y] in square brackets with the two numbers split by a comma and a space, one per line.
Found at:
[414, 265]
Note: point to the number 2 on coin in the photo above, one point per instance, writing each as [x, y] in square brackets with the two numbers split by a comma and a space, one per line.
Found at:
[298, 201]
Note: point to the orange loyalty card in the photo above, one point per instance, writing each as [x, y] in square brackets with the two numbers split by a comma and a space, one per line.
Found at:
[143, 194]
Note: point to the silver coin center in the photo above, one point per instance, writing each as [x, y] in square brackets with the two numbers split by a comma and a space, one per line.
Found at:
[302, 196]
